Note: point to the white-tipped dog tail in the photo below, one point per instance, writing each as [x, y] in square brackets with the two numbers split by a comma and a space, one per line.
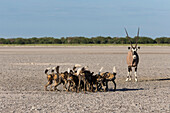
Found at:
[101, 69]
[78, 71]
[53, 68]
[77, 65]
[68, 70]
[114, 69]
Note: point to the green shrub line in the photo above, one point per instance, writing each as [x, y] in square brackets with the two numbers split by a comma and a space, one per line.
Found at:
[38, 45]
[83, 40]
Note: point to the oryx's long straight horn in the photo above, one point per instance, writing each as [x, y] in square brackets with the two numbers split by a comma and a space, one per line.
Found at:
[128, 38]
[126, 32]
[114, 69]
[138, 32]
[137, 38]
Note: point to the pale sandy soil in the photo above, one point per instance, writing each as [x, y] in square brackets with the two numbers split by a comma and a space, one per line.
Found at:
[22, 80]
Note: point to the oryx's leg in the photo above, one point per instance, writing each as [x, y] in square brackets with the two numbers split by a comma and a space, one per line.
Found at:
[136, 79]
[129, 78]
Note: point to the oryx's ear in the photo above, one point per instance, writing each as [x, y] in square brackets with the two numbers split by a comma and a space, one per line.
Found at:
[128, 47]
[138, 47]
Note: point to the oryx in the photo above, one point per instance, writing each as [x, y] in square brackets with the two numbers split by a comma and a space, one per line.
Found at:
[132, 58]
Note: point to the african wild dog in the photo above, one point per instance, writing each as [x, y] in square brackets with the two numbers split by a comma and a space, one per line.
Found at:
[107, 76]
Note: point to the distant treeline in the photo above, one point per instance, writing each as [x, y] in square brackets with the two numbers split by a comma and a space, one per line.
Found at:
[84, 40]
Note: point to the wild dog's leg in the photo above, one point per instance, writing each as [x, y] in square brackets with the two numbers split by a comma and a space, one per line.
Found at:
[65, 83]
[106, 89]
[51, 88]
[95, 86]
[49, 83]
[136, 79]
[99, 86]
[88, 86]
[74, 86]
[129, 74]
[114, 87]
[57, 82]
[79, 84]
[91, 86]
[68, 88]
[102, 84]
[85, 85]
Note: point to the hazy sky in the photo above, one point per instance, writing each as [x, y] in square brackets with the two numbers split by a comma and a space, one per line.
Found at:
[62, 18]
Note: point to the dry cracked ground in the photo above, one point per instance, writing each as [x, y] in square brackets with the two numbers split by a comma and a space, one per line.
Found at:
[22, 80]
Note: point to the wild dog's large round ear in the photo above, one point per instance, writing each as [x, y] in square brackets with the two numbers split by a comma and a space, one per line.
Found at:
[71, 72]
[138, 47]
[128, 47]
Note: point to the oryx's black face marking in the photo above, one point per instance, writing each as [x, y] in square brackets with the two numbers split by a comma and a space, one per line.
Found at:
[134, 53]
[132, 58]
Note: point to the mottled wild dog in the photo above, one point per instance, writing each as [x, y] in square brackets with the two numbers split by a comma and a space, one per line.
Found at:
[132, 58]
[72, 81]
[84, 75]
[97, 80]
[60, 78]
[57, 77]
[106, 77]
[72, 78]
[50, 78]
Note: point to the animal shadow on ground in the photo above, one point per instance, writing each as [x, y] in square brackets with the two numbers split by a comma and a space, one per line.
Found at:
[127, 89]
[162, 79]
